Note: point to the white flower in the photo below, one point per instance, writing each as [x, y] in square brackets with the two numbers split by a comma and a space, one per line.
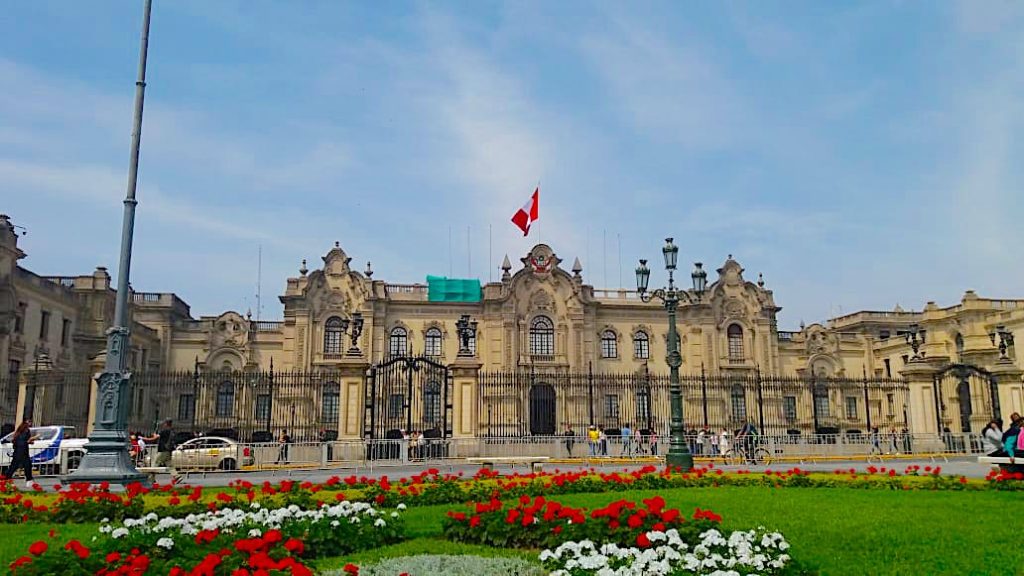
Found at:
[119, 533]
[400, 506]
[165, 543]
[255, 533]
[380, 523]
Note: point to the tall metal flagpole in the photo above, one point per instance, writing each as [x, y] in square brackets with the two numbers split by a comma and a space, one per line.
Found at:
[106, 457]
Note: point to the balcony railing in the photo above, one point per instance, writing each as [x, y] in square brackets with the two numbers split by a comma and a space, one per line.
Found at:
[268, 325]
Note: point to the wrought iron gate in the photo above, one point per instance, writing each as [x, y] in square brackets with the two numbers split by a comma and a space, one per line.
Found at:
[410, 393]
[966, 399]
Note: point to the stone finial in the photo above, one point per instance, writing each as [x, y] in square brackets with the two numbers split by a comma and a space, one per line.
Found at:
[506, 266]
[337, 244]
[577, 268]
[760, 280]
[802, 326]
[302, 269]
[369, 270]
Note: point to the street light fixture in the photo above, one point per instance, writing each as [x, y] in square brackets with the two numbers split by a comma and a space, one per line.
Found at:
[106, 457]
[1005, 340]
[466, 329]
[356, 325]
[915, 343]
[678, 454]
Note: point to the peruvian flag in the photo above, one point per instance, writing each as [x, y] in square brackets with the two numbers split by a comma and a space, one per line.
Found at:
[528, 214]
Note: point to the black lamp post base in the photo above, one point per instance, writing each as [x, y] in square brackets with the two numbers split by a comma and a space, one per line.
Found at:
[107, 460]
[681, 460]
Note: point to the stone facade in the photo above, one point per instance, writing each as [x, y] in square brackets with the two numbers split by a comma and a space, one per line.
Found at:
[538, 317]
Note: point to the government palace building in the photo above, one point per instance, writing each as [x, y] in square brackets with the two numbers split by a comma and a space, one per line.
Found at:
[356, 356]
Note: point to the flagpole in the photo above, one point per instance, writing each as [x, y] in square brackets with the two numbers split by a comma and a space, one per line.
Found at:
[469, 256]
[490, 254]
[450, 263]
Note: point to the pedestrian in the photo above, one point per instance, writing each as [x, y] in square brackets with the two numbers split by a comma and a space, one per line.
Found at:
[654, 442]
[1011, 437]
[700, 443]
[21, 458]
[593, 438]
[570, 438]
[165, 447]
[723, 441]
[403, 445]
[876, 441]
[602, 439]
[638, 441]
[993, 438]
[627, 441]
[894, 443]
[328, 446]
[714, 444]
[282, 451]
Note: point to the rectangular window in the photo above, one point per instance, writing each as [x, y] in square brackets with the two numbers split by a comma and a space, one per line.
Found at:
[65, 332]
[822, 405]
[643, 406]
[608, 348]
[11, 393]
[432, 345]
[397, 345]
[789, 408]
[611, 405]
[44, 324]
[890, 400]
[739, 406]
[851, 407]
[472, 344]
[19, 318]
[186, 407]
[396, 406]
[888, 368]
[262, 408]
[883, 334]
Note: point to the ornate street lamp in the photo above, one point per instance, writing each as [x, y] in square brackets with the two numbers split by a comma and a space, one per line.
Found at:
[353, 328]
[466, 330]
[106, 457]
[678, 453]
[914, 341]
[1005, 341]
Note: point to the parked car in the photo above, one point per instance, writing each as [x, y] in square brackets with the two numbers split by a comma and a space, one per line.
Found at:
[46, 450]
[212, 452]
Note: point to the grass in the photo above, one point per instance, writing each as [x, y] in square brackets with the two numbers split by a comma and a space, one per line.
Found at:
[836, 530]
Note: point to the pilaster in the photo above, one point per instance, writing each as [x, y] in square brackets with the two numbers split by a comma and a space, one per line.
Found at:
[466, 383]
[352, 379]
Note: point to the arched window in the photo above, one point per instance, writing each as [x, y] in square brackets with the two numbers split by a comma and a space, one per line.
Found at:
[542, 337]
[739, 403]
[330, 402]
[225, 400]
[333, 331]
[735, 335]
[398, 343]
[609, 344]
[641, 345]
[432, 405]
[432, 342]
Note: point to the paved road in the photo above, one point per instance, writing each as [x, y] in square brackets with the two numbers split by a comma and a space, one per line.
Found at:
[964, 466]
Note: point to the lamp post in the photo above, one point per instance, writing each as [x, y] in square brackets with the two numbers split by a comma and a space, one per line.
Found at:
[106, 457]
[466, 329]
[915, 343]
[1005, 341]
[356, 326]
[678, 454]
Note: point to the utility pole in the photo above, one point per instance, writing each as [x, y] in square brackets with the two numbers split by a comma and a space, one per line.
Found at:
[106, 457]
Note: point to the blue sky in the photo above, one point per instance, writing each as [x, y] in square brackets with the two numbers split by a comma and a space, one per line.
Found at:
[860, 155]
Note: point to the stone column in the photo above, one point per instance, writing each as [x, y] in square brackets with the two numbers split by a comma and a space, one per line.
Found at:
[466, 383]
[923, 412]
[1009, 389]
[353, 384]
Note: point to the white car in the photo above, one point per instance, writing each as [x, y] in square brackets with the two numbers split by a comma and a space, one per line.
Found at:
[47, 448]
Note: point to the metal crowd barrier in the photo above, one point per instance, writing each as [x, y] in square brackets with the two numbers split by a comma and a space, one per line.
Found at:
[369, 453]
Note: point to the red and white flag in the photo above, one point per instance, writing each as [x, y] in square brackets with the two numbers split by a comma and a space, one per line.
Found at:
[528, 214]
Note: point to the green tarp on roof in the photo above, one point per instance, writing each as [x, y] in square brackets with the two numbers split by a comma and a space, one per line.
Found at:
[441, 289]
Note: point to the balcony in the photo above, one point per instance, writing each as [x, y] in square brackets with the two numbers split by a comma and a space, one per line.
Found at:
[409, 292]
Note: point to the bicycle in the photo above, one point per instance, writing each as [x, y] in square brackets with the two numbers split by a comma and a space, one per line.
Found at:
[739, 456]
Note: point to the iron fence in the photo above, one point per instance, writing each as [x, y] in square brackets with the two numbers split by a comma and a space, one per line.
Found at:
[520, 403]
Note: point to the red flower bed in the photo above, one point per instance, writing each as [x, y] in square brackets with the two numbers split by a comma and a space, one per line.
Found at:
[542, 523]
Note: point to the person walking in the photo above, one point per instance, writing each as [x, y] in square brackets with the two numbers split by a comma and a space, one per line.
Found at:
[282, 452]
[714, 444]
[21, 458]
[570, 438]
[723, 441]
[627, 441]
[876, 441]
[700, 443]
[602, 440]
[165, 447]
[654, 442]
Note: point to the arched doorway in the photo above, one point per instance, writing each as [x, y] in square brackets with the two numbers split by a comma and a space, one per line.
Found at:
[542, 410]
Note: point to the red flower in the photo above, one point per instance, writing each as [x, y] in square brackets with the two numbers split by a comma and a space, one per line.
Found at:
[642, 540]
[38, 547]
[272, 536]
[174, 500]
[352, 569]
[635, 521]
[113, 557]
[474, 521]
[892, 473]
[963, 480]
[295, 546]
[79, 550]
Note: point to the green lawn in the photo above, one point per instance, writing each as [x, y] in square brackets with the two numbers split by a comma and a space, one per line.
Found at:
[837, 530]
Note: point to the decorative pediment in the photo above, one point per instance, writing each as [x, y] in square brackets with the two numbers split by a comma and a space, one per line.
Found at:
[541, 261]
[541, 301]
[230, 330]
[336, 261]
[820, 341]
